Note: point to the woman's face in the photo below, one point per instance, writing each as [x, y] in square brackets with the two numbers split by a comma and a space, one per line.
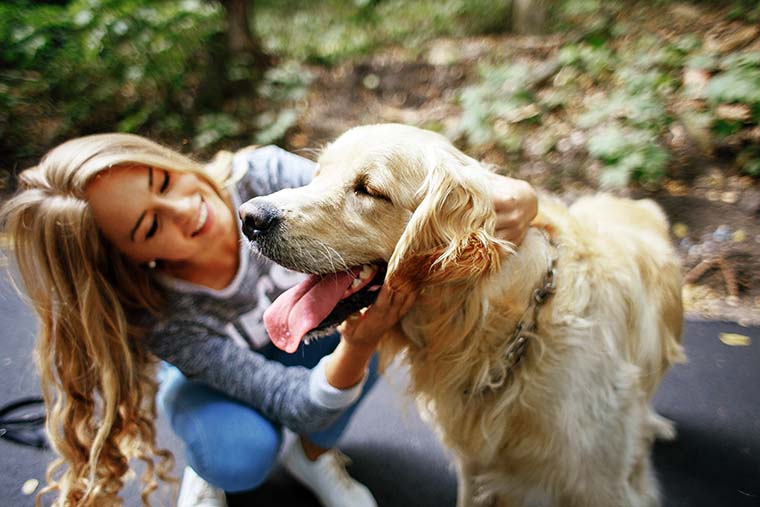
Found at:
[150, 213]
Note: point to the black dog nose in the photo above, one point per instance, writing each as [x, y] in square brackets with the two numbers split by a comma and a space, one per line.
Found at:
[258, 217]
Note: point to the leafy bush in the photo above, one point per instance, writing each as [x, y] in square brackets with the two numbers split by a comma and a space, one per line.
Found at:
[330, 31]
[284, 88]
[494, 107]
[94, 65]
[82, 66]
[733, 97]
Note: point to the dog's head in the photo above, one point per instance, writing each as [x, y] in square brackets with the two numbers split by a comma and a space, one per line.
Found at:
[388, 202]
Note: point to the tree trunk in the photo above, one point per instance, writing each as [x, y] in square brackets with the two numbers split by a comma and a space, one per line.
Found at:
[241, 41]
[530, 17]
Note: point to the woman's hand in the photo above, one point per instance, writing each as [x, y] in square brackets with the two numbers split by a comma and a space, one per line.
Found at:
[361, 333]
[516, 206]
[367, 327]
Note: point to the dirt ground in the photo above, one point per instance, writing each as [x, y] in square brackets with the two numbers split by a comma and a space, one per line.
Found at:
[713, 209]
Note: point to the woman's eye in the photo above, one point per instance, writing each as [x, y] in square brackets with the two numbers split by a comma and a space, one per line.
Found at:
[153, 228]
[165, 184]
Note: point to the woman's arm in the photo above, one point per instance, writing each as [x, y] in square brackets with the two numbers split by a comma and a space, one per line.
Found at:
[291, 395]
[268, 169]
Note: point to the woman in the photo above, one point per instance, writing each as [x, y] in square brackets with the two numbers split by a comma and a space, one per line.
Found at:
[130, 251]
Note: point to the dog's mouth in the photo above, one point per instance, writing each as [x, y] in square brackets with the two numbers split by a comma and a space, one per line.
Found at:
[316, 306]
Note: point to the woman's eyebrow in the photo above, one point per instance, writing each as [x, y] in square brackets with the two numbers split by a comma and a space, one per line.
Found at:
[139, 220]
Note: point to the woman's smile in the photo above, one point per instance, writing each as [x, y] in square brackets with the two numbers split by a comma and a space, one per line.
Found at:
[150, 213]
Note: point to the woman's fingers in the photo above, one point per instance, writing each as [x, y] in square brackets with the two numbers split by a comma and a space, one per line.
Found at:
[370, 324]
[515, 204]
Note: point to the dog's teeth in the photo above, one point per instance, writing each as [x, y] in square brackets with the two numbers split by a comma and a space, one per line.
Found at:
[366, 272]
[355, 283]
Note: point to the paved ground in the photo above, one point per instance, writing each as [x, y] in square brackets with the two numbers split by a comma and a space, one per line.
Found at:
[715, 400]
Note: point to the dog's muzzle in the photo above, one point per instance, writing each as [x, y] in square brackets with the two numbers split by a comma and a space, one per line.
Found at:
[258, 217]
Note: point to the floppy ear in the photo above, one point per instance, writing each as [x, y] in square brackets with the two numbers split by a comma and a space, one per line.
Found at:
[449, 237]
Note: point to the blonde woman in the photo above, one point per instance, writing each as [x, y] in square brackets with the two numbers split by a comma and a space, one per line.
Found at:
[130, 252]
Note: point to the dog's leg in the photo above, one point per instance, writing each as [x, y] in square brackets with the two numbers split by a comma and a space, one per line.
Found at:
[469, 492]
[604, 496]
[644, 484]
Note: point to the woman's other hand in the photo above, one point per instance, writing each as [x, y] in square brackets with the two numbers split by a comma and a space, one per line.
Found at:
[516, 205]
[361, 333]
[367, 327]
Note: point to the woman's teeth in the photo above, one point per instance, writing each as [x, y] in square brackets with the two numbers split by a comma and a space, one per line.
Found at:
[201, 218]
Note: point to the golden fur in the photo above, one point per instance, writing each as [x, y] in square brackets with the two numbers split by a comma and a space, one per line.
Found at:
[573, 420]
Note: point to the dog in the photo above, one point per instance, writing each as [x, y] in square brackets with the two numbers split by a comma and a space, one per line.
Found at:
[536, 364]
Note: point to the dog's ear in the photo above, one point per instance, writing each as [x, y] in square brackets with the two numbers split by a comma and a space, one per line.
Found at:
[449, 237]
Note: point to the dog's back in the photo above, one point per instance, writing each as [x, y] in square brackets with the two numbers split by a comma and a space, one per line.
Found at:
[631, 239]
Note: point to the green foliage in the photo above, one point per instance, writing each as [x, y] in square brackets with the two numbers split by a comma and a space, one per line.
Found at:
[628, 153]
[71, 68]
[736, 85]
[738, 82]
[624, 121]
[94, 65]
[493, 108]
[284, 88]
[214, 127]
[329, 31]
[597, 61]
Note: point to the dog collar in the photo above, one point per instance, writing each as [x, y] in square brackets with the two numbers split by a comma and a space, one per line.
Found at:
[528, 323]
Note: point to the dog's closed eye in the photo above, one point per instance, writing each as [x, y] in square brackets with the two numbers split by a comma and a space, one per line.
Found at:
[362, 187]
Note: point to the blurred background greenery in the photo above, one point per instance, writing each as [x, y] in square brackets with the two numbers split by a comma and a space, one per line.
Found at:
[616, 84]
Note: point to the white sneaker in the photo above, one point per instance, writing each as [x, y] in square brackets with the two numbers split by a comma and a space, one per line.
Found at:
[195, 492]
[327, 477]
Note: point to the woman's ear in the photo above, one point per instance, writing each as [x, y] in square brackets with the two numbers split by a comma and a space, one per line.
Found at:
[450, 235]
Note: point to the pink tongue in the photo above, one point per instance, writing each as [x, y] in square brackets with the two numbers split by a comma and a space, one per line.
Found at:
[301, 308]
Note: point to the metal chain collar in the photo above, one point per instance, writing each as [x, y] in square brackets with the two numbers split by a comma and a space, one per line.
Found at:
[527, 326]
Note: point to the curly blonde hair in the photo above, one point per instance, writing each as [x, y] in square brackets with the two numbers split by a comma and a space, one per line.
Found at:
[98, 384]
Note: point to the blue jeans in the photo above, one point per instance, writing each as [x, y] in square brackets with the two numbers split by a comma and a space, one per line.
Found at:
[229, 443]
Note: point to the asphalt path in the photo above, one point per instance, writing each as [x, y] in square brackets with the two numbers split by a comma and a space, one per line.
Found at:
[714, 400]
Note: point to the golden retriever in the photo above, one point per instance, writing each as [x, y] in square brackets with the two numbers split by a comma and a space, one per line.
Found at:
[561, 407]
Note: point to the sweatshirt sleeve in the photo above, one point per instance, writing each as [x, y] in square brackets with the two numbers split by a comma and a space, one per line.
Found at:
[294, 396]
[266, 170]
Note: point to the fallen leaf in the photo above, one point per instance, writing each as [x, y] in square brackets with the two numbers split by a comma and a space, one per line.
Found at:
[738, 236]
[735, 340]
[676, 188]
[30, 486]
[680, 230]
[729, 197]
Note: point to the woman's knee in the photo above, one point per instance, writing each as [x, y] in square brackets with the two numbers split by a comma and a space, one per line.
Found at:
[235, 464]
[228, 443]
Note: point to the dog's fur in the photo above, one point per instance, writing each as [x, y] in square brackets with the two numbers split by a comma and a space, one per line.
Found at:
[573, 419]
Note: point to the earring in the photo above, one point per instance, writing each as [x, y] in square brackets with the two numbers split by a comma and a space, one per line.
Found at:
[152, 264]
